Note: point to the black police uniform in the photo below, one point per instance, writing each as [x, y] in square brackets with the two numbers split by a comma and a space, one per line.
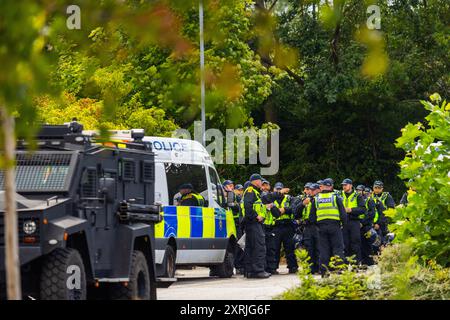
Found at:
[366, 246]
[310, 232]
[331, 242]
[352, 230]
[380, 221]
[383, 221]
[239, 253]
[255, 246]
[270, 215]
[284, 235]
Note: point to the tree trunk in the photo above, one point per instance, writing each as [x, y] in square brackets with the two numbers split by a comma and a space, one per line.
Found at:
[270, 114]
[12, 264]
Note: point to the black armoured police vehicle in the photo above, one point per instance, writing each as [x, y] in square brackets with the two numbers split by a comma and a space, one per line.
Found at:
[86, 217]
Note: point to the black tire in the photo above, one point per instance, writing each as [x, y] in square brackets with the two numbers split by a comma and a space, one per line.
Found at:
[169, 262]
[138, 288]
[225, 269]
[55, 276]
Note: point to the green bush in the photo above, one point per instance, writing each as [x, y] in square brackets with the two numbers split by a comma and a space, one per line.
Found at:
[425, 222]
[399, 275]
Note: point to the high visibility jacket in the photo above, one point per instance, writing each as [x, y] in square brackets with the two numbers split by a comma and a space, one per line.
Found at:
[257, 205]
[351, 201]
[376, 200]
[284, 204]
[199, 197]
[269, 220]
[382, 198]
[326, 207]
[306, 211]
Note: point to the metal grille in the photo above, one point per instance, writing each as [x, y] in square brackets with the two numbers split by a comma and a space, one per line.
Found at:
[147, 172]
[89, 183]
[40, 171]
[129, 170]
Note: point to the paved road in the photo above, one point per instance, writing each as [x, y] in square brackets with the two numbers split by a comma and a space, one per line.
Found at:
[197, 285]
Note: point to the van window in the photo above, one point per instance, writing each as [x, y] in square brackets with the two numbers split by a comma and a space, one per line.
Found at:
[178, 174]
[217, 190]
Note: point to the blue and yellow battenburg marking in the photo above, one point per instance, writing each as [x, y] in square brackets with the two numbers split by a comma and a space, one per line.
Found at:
[195, 222]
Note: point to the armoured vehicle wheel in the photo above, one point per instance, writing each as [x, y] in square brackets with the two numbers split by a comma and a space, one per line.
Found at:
[138, 288]
[59, 274]
[225, 269]
[169, 262]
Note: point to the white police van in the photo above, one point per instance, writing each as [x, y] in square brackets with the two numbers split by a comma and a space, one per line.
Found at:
[188, 236]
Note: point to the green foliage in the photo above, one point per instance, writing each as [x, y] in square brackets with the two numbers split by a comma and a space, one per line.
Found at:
[403, 276]
[88, 112]
[344, 285]
[162, 72]
[25, 60]
[425, 222]
[398, 276]
[339, 122]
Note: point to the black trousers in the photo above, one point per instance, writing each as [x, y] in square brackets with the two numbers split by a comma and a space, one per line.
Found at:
[271, 261]
[284, 235]
[331, 242]
[311, 243]
[255, 248]
[238, 253]
[366, 247]
[352, 239]
[376, 250]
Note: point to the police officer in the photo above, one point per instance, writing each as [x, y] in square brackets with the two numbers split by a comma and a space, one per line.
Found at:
[310, 230]
[356, 209]
[239, 253]
[367, 225]
[265, 186]
[189, 197]
[284, 228]
[329, 214]
[268, 225]
[255, 247]
[321, 185]
[385, 198]
[387, 202]
[270, 213]
[238, 191]
[233, 202]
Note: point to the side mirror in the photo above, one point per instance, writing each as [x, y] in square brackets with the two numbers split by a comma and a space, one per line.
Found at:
[108, 188]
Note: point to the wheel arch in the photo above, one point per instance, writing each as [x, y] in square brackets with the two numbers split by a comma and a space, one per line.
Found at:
[144, 244]
[79, 242]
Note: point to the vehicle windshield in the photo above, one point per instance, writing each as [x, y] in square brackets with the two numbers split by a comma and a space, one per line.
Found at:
[40, 172]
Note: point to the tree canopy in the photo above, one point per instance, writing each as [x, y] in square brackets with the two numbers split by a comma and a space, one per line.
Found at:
[339, 92]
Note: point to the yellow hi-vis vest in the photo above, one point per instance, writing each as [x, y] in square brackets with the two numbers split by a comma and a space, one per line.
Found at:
[351, 201]
[306, 211]
[199, 197]
[284, 204]
[326, 206]
[382, 198]
[257, 205]
[267, 215]
[376, 200]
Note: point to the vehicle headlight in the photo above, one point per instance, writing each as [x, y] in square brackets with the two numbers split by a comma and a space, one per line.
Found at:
[29, 227]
